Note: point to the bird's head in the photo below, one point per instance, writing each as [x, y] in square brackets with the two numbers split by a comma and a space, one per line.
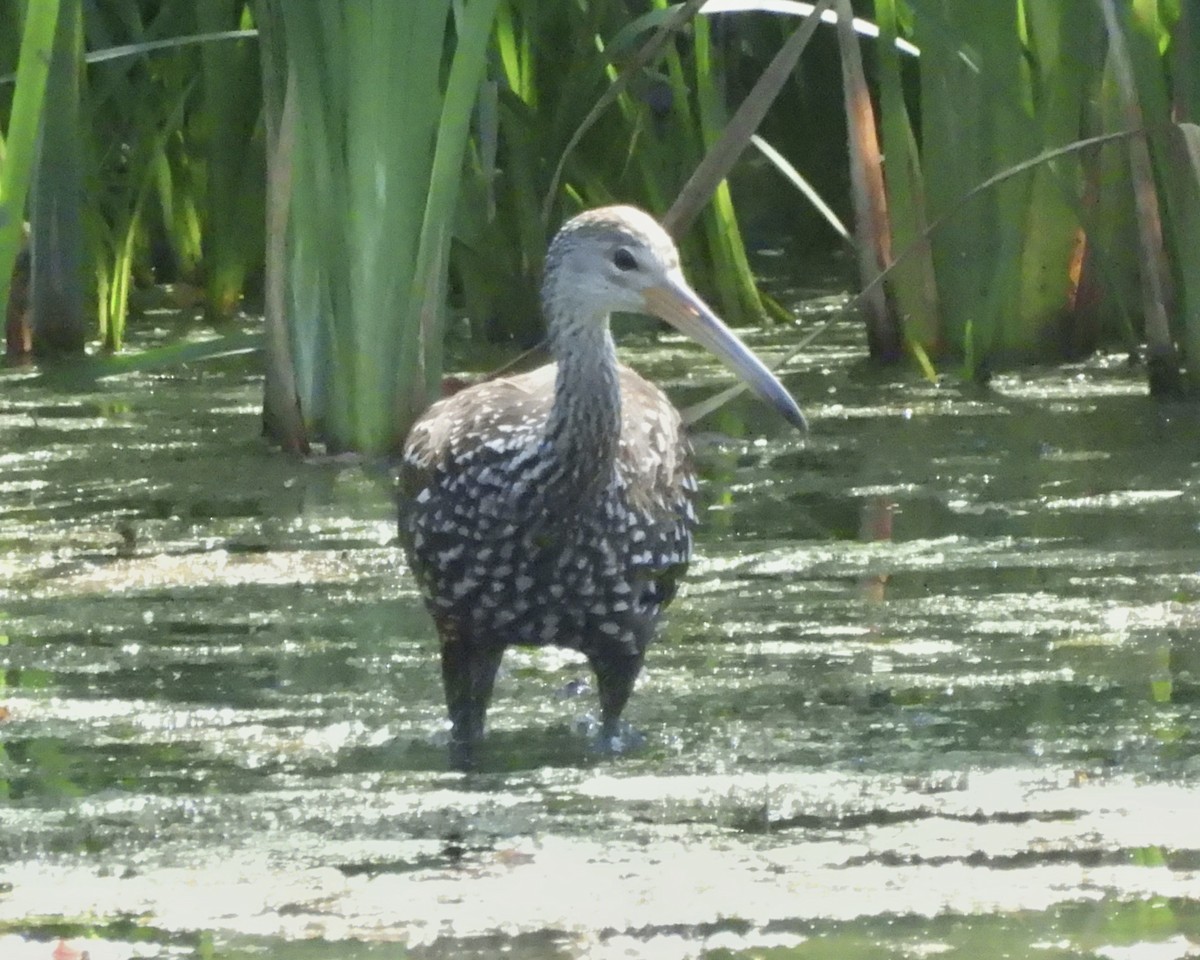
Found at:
[602, 262]
[620, 260]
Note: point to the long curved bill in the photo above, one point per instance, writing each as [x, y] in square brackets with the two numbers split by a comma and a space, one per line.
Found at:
[678, 304]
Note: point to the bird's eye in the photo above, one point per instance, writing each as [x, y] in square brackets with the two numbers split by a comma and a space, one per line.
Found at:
[623, 259]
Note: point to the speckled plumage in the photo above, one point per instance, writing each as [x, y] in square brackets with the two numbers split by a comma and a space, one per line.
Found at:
[509, 541]
[556, 507]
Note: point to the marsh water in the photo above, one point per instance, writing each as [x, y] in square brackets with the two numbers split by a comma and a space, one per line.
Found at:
[932, 689]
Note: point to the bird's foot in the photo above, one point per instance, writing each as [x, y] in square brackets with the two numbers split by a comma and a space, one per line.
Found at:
[463, 755]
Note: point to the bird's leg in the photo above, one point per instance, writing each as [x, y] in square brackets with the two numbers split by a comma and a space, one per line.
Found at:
[468, 673]
[615, 675]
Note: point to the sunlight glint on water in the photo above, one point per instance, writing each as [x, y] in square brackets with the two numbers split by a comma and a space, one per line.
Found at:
[931, 689]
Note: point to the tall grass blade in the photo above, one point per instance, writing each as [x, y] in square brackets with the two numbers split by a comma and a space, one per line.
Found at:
[427, 299]
[793, 176]
[59, 274]
[228, 125]
[1162, 360]
[1185, 165]
[722, 155]
[1064, 38]
[283, 418]
[384, 102]
[20, 141]
[645, 55]
[18, 329]
[963, 203]
[102, 366]
[732, 275]
[913, 282]
[1185, 62]
[873, 230]
[957, 105]
[1162, 98]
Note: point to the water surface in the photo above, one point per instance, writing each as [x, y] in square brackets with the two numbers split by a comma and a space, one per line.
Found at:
[932, 689]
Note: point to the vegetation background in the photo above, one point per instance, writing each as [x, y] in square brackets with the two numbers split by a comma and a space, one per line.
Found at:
[1022, 178]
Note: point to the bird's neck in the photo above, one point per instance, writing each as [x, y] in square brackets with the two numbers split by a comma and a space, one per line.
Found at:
[584, 429]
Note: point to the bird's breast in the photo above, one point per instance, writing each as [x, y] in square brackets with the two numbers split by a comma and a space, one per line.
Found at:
[507, 546]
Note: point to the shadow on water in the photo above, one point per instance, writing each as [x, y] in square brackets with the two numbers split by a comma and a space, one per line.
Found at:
[933, 687]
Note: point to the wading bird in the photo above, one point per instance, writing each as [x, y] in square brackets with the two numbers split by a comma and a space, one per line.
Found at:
[555, 507]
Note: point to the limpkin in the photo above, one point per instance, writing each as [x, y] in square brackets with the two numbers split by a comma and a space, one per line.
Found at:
[555, 507]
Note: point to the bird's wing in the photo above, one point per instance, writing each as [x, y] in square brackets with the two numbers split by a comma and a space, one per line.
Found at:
[484, 414]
